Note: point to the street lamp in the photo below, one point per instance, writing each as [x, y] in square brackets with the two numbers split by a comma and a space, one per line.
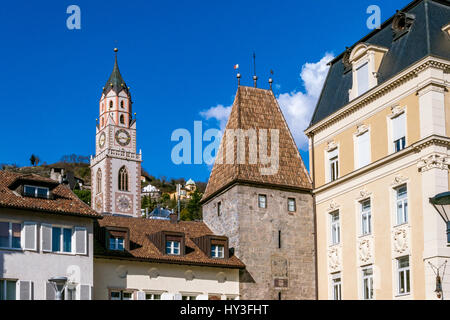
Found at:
[441, 203]
[59, 284]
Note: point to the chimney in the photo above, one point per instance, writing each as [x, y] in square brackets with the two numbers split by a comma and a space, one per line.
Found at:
[173, 217]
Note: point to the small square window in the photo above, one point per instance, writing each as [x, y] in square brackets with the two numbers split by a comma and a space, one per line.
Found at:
[291, 205]
[262, 201]
[173, 248]
[217, 251]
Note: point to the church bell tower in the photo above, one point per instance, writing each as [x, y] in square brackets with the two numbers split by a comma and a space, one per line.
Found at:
[116, 167]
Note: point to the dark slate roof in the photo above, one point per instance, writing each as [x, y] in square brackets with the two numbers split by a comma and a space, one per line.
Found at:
[424, 39]
[115, 81]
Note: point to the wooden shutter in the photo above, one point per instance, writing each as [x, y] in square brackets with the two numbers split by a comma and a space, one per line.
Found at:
[46, 237]
[80, 240]
[85, 292]
[30, 236]
[141, 295]
[26, 290]
[50, 291]
[167, 296]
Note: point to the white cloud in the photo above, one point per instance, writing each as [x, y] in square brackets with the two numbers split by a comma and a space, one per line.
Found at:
[298, 106]
[220, 113]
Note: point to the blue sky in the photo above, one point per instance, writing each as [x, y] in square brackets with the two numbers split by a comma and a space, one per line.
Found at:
[177, 57]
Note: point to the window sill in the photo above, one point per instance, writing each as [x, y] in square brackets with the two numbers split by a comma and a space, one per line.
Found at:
[401, 225]
[402, 295]
[13, 249]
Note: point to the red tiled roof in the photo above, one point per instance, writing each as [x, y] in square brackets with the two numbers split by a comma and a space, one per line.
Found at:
[64, 201]
[142, 247]
[257, 109]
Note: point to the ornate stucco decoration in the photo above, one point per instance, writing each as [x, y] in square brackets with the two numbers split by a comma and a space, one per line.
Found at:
[153, 273]
[400, 240]
[333, 206]
[363, 194]
[399, 180]
[334, 259]
[396, 111]
[221, 277]
[433, 161]
[365, 250]
[331, 146]
[121, 272]
[189, 275]
[362, 128]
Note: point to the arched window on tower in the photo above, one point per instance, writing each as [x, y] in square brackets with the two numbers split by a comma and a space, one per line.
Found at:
[123, 179]
[111, 104]
[103, 122]
[121, 104]
[99, 181]
[122, 119]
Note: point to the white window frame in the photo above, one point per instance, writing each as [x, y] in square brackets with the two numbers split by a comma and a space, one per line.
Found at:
[365, 217]
[10, 223]
[294, 202]
[402, 201]
[357, 150]
[116, 244]
[172, 248]
[121, 293]
[61, 244]
[369, 279]
[402, 273]
[360, 65]
[264, 202]
[335, 228]
[332, 160]
[397, 111]
[189, 297]
[217, 251]
[336, 285]
[36, 191]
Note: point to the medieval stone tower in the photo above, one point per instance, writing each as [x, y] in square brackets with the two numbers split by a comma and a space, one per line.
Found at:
[262, 200]
[116, 167]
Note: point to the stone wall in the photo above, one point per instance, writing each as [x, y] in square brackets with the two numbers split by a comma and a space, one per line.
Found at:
[254, 234]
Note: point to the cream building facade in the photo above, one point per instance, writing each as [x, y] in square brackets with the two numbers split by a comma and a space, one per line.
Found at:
[379, 146]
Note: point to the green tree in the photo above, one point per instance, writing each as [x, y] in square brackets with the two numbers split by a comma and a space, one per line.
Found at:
[84, 195]
[193, 207]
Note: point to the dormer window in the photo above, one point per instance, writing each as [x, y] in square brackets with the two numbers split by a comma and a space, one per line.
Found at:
[173, 247]
[116, 243]
[365, 60]
[217, 251]
[117, 239]
[36, 192]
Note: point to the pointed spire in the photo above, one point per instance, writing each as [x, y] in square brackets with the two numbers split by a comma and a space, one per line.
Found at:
[115, 81]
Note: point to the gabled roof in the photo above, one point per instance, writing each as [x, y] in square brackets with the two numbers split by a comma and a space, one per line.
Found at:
[115, 81]
[63, 202]
[257, 109]
[142, 248]
[425, 38]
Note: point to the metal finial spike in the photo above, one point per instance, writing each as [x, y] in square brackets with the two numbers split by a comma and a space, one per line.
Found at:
[115, 49]
[238, 76]
[270, 83]
[255, 79]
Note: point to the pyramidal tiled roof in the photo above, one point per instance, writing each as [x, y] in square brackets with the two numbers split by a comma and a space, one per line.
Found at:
[257, 109]
[115, 81]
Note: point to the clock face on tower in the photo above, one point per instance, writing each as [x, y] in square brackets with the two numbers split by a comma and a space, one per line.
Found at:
[123, 203]
[123, 137]
[102, 140]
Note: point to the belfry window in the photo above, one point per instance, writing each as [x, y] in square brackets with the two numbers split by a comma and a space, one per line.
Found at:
[123, 179]
[121, 104]
[99, 181]
[111, 104]
[122, 119]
